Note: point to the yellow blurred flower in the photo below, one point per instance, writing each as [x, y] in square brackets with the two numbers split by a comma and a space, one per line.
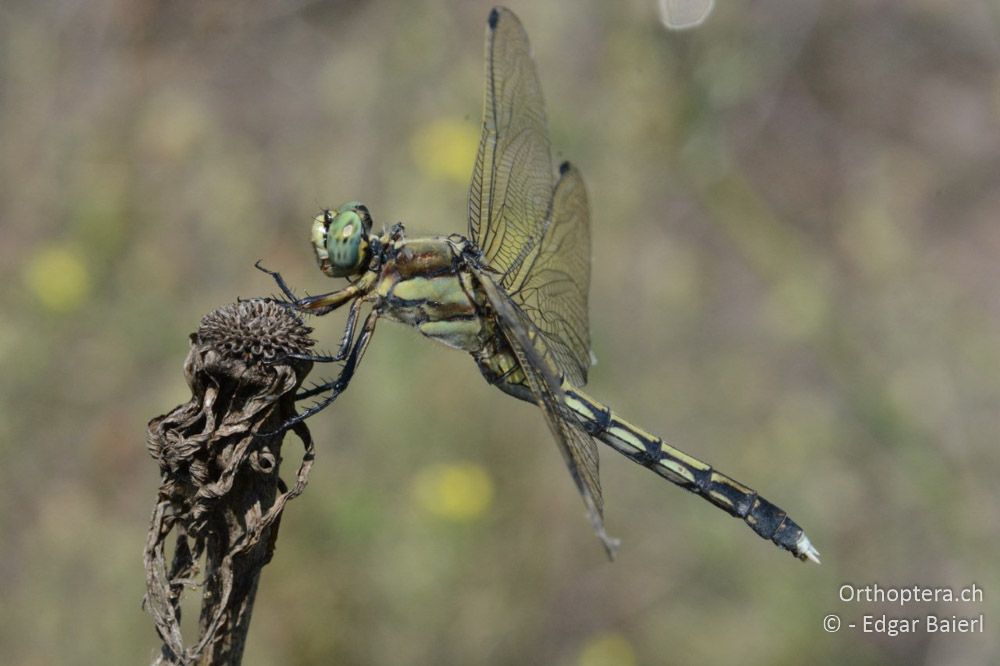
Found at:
[611, 649]
[457, 491]
[58, 278]
[445, 149]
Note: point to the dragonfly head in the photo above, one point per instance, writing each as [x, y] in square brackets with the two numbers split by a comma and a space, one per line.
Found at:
[340, 240]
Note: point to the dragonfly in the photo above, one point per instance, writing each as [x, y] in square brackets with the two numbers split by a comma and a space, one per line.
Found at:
[513, 293]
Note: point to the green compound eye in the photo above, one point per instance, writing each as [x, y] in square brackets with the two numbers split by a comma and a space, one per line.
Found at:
[340, 239]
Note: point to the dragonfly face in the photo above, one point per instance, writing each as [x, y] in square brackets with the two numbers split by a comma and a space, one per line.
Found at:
[340, 240]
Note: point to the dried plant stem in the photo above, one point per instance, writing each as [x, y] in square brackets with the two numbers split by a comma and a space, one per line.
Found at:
[221, 496]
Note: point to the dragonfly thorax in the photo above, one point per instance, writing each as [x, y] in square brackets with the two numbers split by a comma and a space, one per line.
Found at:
[340, 240]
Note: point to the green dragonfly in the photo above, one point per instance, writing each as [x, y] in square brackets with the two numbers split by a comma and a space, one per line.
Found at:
[513, 294]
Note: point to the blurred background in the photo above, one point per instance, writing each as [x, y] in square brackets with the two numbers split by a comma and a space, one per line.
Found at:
[796, 241]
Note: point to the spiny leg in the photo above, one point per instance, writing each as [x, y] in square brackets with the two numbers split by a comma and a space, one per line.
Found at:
[337, 386]
[352, 322]
[318, 305]
[342, 349]
[280, 281]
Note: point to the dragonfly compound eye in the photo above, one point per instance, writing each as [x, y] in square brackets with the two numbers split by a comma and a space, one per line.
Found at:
[340, 239]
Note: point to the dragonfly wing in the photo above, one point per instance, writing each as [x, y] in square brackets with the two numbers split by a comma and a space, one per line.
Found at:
[552, 287]
[577, 447]
[534, 235]
[512, 178]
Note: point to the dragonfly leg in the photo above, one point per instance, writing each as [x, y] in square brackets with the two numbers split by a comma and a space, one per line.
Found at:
[315, 358]
[282, 285]
[345, 341]
[326, 303]
[352, 322]
[342, 352]
[318, 305]
[338, 385]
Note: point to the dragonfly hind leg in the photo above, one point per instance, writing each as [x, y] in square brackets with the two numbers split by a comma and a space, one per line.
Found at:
[338, 385]
[343, 349]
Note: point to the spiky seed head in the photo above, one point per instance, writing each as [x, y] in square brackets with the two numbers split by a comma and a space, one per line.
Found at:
[257, 330]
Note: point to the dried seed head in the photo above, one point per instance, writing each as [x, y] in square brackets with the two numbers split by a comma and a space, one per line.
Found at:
[258, 330]
[221, 496]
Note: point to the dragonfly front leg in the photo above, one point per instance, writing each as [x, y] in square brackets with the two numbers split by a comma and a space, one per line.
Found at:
[318, 305]
[282, 285]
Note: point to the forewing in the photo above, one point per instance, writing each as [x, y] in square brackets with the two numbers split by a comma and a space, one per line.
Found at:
[577, 447]
[511, 185]
[535, 237]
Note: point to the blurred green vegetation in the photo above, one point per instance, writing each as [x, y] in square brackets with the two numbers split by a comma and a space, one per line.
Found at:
[796, 236]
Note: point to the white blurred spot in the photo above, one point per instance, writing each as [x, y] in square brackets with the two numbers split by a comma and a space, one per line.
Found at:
[685, 14]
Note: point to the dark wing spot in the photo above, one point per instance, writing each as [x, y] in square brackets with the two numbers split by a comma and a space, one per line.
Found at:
[563, 168]
[494, 17]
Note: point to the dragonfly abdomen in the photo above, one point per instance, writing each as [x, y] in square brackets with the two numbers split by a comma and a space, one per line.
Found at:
[500, 367]
[766, 519]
